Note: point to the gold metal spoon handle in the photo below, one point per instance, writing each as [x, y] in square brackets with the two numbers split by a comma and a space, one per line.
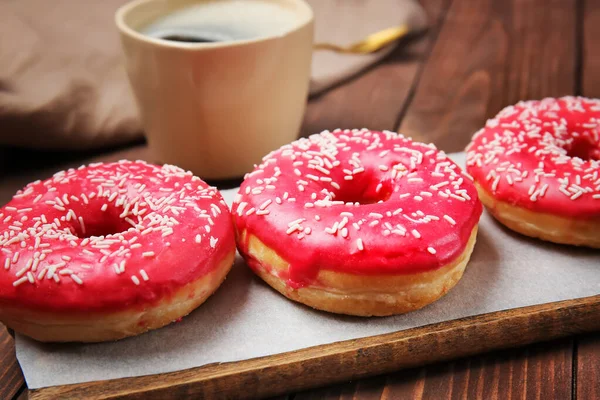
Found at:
[372, 43]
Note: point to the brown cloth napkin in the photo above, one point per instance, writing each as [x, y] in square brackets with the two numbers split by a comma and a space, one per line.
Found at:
[63, 86]
[344, 22]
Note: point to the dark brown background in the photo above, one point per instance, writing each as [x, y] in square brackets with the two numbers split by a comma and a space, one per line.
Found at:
[478, 56]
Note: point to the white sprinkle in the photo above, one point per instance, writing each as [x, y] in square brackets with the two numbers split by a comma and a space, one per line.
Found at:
[293, 228]
[450, 219]
[104, 207]
[437, 186]
[359, 244]
[76, 279]
[213, 242]
[148, 254]
[416, 233]
[41, 274]
[198, 238]
[65, 271]
[431, 250]
[135, 280]
[495, 183]
[576, 195]
[20, 281]
[343, 223]
[144, 275]
[80, 219]
[7, 263]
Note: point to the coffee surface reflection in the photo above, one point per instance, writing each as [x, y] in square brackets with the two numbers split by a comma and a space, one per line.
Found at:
[186, 38]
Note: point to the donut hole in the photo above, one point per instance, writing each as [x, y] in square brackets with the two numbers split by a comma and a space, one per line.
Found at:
[372, 192]
[583, 148]
[100, 225]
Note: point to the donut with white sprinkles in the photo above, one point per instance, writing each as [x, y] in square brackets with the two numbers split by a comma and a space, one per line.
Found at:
[111, 250]
[358, 222]
[536, 166]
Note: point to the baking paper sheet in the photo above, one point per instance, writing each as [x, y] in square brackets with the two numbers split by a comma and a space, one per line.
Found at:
[247, 319]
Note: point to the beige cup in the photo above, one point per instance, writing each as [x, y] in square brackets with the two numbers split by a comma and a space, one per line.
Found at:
[218, 108]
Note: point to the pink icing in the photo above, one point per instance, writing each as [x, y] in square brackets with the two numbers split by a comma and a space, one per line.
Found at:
[542, 155]
[162, 227]
[359, 202]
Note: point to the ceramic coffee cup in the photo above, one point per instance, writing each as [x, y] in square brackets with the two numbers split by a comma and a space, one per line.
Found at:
[218, 106]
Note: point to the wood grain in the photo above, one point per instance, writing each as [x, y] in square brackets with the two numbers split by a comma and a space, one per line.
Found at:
[10, 373]
[590, 62]
[491, 54]
[375, 98]
[588, 368]
[352, 359]
[541, 371]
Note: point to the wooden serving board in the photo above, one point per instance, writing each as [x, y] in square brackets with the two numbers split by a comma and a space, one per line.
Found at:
[351, 359]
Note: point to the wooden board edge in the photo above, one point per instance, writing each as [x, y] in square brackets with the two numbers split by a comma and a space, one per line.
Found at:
[351, 359]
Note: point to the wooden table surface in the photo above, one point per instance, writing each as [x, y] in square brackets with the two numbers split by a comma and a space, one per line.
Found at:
[477, 57]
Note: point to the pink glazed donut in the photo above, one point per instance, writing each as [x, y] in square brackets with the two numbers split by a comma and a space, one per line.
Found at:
[536, 166]
[358, 222]
[110, 250]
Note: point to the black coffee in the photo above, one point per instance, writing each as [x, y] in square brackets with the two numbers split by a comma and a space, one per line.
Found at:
[187, 38]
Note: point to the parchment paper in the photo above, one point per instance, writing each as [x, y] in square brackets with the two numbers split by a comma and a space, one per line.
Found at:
[247, 319]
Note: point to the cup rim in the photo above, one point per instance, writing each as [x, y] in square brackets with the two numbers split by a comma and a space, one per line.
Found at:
[122, 11]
